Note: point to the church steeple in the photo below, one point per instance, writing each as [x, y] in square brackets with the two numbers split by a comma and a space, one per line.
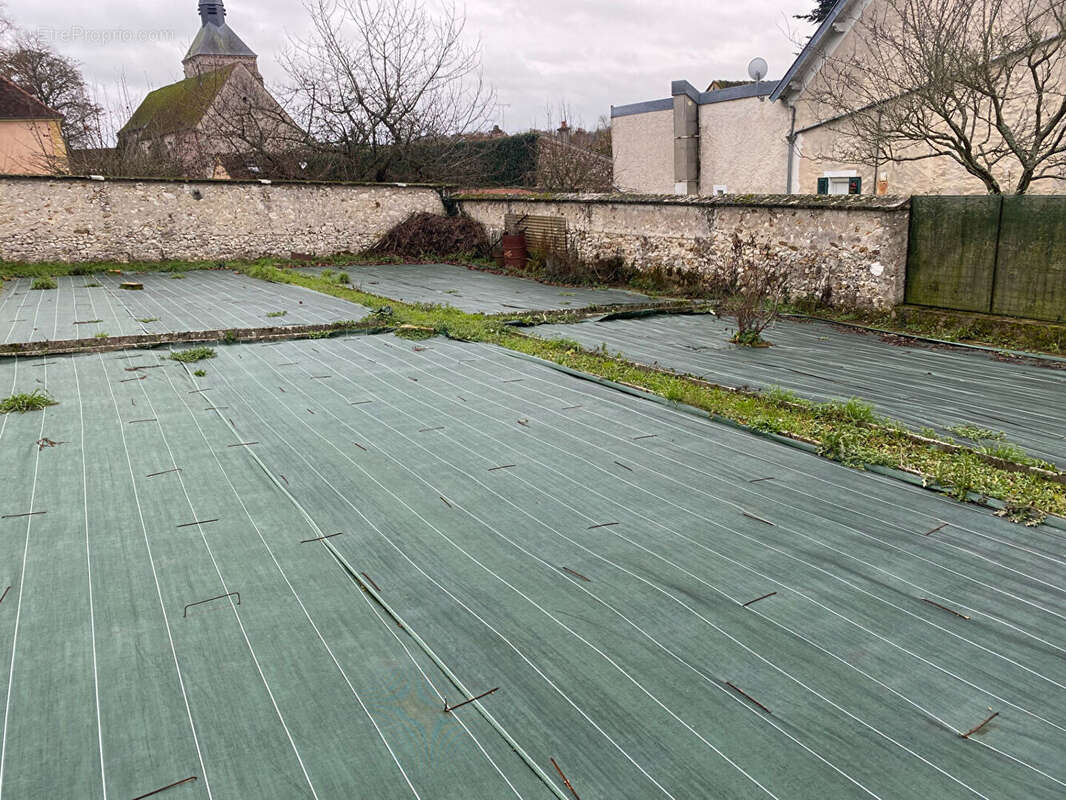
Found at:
[212, 13]
[216, 45]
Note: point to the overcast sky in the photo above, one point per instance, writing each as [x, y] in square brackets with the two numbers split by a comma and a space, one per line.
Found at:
[589, 54]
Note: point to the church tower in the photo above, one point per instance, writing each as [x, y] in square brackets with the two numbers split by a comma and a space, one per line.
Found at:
[216, 45]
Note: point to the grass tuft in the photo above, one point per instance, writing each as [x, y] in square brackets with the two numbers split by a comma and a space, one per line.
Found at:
[43, 282]
[21, 403]
[193, 354]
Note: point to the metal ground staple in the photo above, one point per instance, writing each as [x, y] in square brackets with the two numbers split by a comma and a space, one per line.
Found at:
[602, 525]
[371, 581]
[577, 574]
[448, 708]
[758, 519]
[211, 600]
[2, 596]
[198, 522]
[747, 696]
[943, 608]
[164, 472]
[319, 538]
[566, 781]
[27, 514]
[757, 599]
[937, 528]
[168, 786]
[978, 727]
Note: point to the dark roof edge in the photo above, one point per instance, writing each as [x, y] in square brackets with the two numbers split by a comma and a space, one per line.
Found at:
[760, 89]
[801, 201]
[809, 49]
[220, 182]
[648, 106]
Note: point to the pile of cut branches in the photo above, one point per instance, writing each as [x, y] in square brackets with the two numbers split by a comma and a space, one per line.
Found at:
[425, 235]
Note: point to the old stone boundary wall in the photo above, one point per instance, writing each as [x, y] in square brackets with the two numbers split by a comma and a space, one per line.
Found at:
[80, 219]
[847, 250]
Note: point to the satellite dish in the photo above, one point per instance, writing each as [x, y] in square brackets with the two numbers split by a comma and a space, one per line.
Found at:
[757, 69]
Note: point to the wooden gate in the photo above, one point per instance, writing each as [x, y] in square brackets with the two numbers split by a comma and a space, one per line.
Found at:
[993, 254]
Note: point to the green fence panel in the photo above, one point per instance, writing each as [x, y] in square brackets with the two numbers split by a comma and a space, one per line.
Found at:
[1031, 273]
[952, 254]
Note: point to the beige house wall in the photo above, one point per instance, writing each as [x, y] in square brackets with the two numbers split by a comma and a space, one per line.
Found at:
[31, 147]
[744, 146]
[643, 149]
[820, 149]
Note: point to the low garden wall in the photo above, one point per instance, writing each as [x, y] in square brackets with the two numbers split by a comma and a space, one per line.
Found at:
[847, 250]
[119, 219]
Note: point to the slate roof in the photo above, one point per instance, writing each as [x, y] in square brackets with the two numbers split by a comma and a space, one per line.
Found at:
[810, 50]
[218, 40]
[17, 103]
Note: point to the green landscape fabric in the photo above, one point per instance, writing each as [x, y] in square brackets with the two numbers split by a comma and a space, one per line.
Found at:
[476, 291]
[667, 607]
[920, 386]
[83, 306]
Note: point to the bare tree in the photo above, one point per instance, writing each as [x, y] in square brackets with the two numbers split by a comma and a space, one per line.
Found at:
[7, 27]
[572, 159]
[980, 82]
[388, 88]
[57, 82]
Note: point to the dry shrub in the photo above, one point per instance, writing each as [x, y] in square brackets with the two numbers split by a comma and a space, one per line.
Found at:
[426, 235]
[757, 279]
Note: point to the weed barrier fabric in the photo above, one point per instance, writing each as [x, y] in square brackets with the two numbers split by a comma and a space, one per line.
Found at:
[600, 559]
[167, 619]
[939, 388]
[84, 306]
[475, 291]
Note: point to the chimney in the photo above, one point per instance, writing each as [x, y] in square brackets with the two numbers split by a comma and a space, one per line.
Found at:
[564, 133]
[214, 13]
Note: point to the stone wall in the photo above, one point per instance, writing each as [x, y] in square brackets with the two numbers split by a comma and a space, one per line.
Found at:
[79, 219]
[849, 250]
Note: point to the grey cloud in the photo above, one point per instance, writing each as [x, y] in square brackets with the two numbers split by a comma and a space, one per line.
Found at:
[589, 54]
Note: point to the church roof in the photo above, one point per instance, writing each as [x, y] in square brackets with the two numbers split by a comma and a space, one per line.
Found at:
[218, 40]
[179, 106]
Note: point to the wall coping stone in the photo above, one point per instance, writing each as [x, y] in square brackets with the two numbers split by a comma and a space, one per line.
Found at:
[218, 181]
[803, 201]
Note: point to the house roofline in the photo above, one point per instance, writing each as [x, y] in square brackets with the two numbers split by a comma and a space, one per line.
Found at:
[648, 106]
[809, 50]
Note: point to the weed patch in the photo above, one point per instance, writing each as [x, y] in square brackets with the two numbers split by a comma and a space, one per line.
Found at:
[193, 354]
[21, 403]
[42, 283]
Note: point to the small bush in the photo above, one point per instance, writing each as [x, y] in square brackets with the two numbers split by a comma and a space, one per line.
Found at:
[431, 235]
[200, 373]
[21, 403]
[43, 283]
[277, 313]
[757, 277]
[193, 354]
